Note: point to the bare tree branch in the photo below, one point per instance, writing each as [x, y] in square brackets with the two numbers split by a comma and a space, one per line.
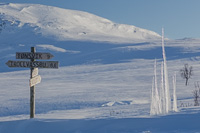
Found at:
[186, 73]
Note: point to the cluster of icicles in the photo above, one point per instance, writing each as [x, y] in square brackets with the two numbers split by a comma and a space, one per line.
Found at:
[160, 97]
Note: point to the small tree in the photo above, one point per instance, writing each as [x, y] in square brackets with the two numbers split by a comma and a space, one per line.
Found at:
[186, 73]
[196, 94]
[196, 97]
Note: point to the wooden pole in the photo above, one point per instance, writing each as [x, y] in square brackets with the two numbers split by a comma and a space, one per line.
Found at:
[32, 90]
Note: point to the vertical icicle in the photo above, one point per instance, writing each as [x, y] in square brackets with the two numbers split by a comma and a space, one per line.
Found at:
[157, 98]
[152, 109]
[155, 79]
[174, 94]
[162, 91]
[167, 93]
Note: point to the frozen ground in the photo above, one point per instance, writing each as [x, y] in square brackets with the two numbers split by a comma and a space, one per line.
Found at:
[95, 98]
[184, 123]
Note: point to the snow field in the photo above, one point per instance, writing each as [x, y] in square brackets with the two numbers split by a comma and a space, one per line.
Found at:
[96, 98]
[88, 86]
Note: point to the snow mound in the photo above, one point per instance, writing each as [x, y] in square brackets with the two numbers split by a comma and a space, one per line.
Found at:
[109, 104]
[63, 24]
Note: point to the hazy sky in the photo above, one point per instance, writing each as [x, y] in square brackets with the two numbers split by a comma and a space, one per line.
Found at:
[180, 18]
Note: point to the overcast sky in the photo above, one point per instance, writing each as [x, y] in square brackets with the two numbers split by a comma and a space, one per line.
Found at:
[180, 18]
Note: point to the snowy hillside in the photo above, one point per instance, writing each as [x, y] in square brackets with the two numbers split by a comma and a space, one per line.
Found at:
[62, 24]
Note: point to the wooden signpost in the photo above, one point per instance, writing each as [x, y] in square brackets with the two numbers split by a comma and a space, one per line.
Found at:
[33, 65]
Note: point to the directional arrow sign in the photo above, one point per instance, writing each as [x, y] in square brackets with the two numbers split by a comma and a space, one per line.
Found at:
[30, 55]
[34, 64]
[35, 80]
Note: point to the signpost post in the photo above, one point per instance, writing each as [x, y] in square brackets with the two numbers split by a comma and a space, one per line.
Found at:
[32, 90]
[33, 65]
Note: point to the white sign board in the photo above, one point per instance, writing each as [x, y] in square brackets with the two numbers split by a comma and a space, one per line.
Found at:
[35, 80]
[34, 72]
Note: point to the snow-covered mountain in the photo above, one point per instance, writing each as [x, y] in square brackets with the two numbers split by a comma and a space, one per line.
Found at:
[35, 21]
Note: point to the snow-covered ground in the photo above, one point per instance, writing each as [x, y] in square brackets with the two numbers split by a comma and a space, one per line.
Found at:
[103, 83]
[95, 98]
[179, 123]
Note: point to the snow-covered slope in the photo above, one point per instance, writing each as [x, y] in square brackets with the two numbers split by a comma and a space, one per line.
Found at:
[62, 24]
